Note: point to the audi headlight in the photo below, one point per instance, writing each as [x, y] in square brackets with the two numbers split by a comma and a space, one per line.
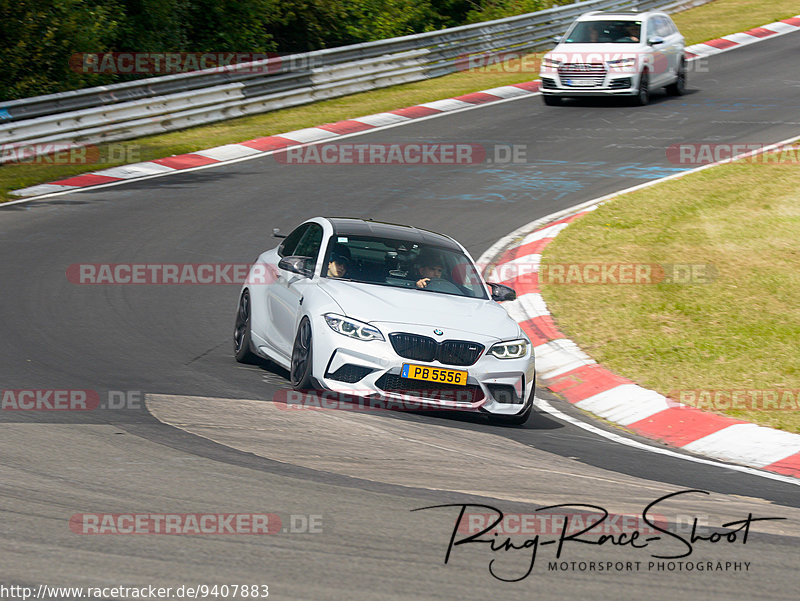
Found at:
[551, 63]
[352, 327]
[622, 63]
[513, 349]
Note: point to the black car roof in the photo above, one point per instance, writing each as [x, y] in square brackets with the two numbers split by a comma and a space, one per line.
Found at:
[345, 226]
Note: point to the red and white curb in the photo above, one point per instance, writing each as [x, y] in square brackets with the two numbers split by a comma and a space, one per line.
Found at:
[569, 372]
[736, 40]
[270, 144]
[263, 146]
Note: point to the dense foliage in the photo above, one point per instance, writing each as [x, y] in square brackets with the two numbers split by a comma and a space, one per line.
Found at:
[40, 36]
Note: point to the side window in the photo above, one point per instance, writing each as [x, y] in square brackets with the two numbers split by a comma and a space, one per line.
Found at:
[671, 26]
[662, 27]
[287, 248]
[310, 242]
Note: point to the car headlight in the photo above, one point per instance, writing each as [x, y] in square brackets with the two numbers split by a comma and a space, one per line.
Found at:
[352, 327]
[512, 349]
[551, 63]
[622, 63]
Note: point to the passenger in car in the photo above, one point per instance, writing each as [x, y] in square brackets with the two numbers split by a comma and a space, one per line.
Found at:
[339, 261]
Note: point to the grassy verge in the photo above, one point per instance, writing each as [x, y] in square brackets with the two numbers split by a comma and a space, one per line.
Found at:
[15, 176]
[737, 332]
[698, 24]
[719, 18]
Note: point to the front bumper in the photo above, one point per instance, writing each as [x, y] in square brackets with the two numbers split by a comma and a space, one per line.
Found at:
[491, 382]
[611, 84]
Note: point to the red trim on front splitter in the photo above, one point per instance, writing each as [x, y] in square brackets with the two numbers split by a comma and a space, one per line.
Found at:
[679, 426]
[185, 161]
[346, 127]
[721, 44]
[760, 32]
[789, 466]
[269, 143]
[88, 179]
[415, 112]
[477, 98]
[585, 381]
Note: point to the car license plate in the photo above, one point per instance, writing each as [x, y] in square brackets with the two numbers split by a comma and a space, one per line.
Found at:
[434, 374]
[581, 83]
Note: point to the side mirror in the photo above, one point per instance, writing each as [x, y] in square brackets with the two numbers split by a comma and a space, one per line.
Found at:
[557, 39]
[501, 293]
[276, 233]
[300, 265]
[655, 40]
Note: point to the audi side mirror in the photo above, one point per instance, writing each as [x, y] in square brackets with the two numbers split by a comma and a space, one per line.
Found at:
[655, 40]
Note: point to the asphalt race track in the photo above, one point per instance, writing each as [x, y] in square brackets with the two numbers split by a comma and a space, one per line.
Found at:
[222, 447]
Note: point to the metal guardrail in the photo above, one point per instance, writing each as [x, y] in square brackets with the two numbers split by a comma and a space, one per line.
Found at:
[160, 104]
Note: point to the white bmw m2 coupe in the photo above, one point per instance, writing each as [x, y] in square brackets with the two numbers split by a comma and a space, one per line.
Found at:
[386, 311]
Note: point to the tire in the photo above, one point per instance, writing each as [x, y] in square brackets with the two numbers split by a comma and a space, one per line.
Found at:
[551, 100]
[514, 420]
[242, 345]
[678, 88]
[302, 358]
[642, 97]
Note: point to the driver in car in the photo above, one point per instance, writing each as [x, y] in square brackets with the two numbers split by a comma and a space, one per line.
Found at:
[429, 267]
[339, 261]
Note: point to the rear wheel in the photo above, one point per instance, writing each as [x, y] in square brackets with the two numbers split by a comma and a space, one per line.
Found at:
[678, 88]
[300, 374]
[643, 95]
[242, 349]
[551, 100]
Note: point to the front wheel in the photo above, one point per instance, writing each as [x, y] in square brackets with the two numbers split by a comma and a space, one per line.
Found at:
[302, 355]
[551, 100]
[241, 332]
[643, 95]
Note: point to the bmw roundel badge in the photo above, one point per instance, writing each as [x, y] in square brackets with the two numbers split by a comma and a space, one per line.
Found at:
[438, 332]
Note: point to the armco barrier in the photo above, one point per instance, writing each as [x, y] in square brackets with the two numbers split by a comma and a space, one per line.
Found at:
[160, 104]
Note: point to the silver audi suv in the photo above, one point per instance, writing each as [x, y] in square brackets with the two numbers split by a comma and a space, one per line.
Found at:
[615, 54]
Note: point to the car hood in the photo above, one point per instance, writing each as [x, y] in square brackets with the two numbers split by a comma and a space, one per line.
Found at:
[383, 304]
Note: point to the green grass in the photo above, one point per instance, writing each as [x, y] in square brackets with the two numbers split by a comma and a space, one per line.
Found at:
[719, 18]
[698, 24]
[738, 332]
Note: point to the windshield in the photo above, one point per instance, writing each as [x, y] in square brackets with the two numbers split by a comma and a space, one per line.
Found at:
[605, 32]
[402, 264]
